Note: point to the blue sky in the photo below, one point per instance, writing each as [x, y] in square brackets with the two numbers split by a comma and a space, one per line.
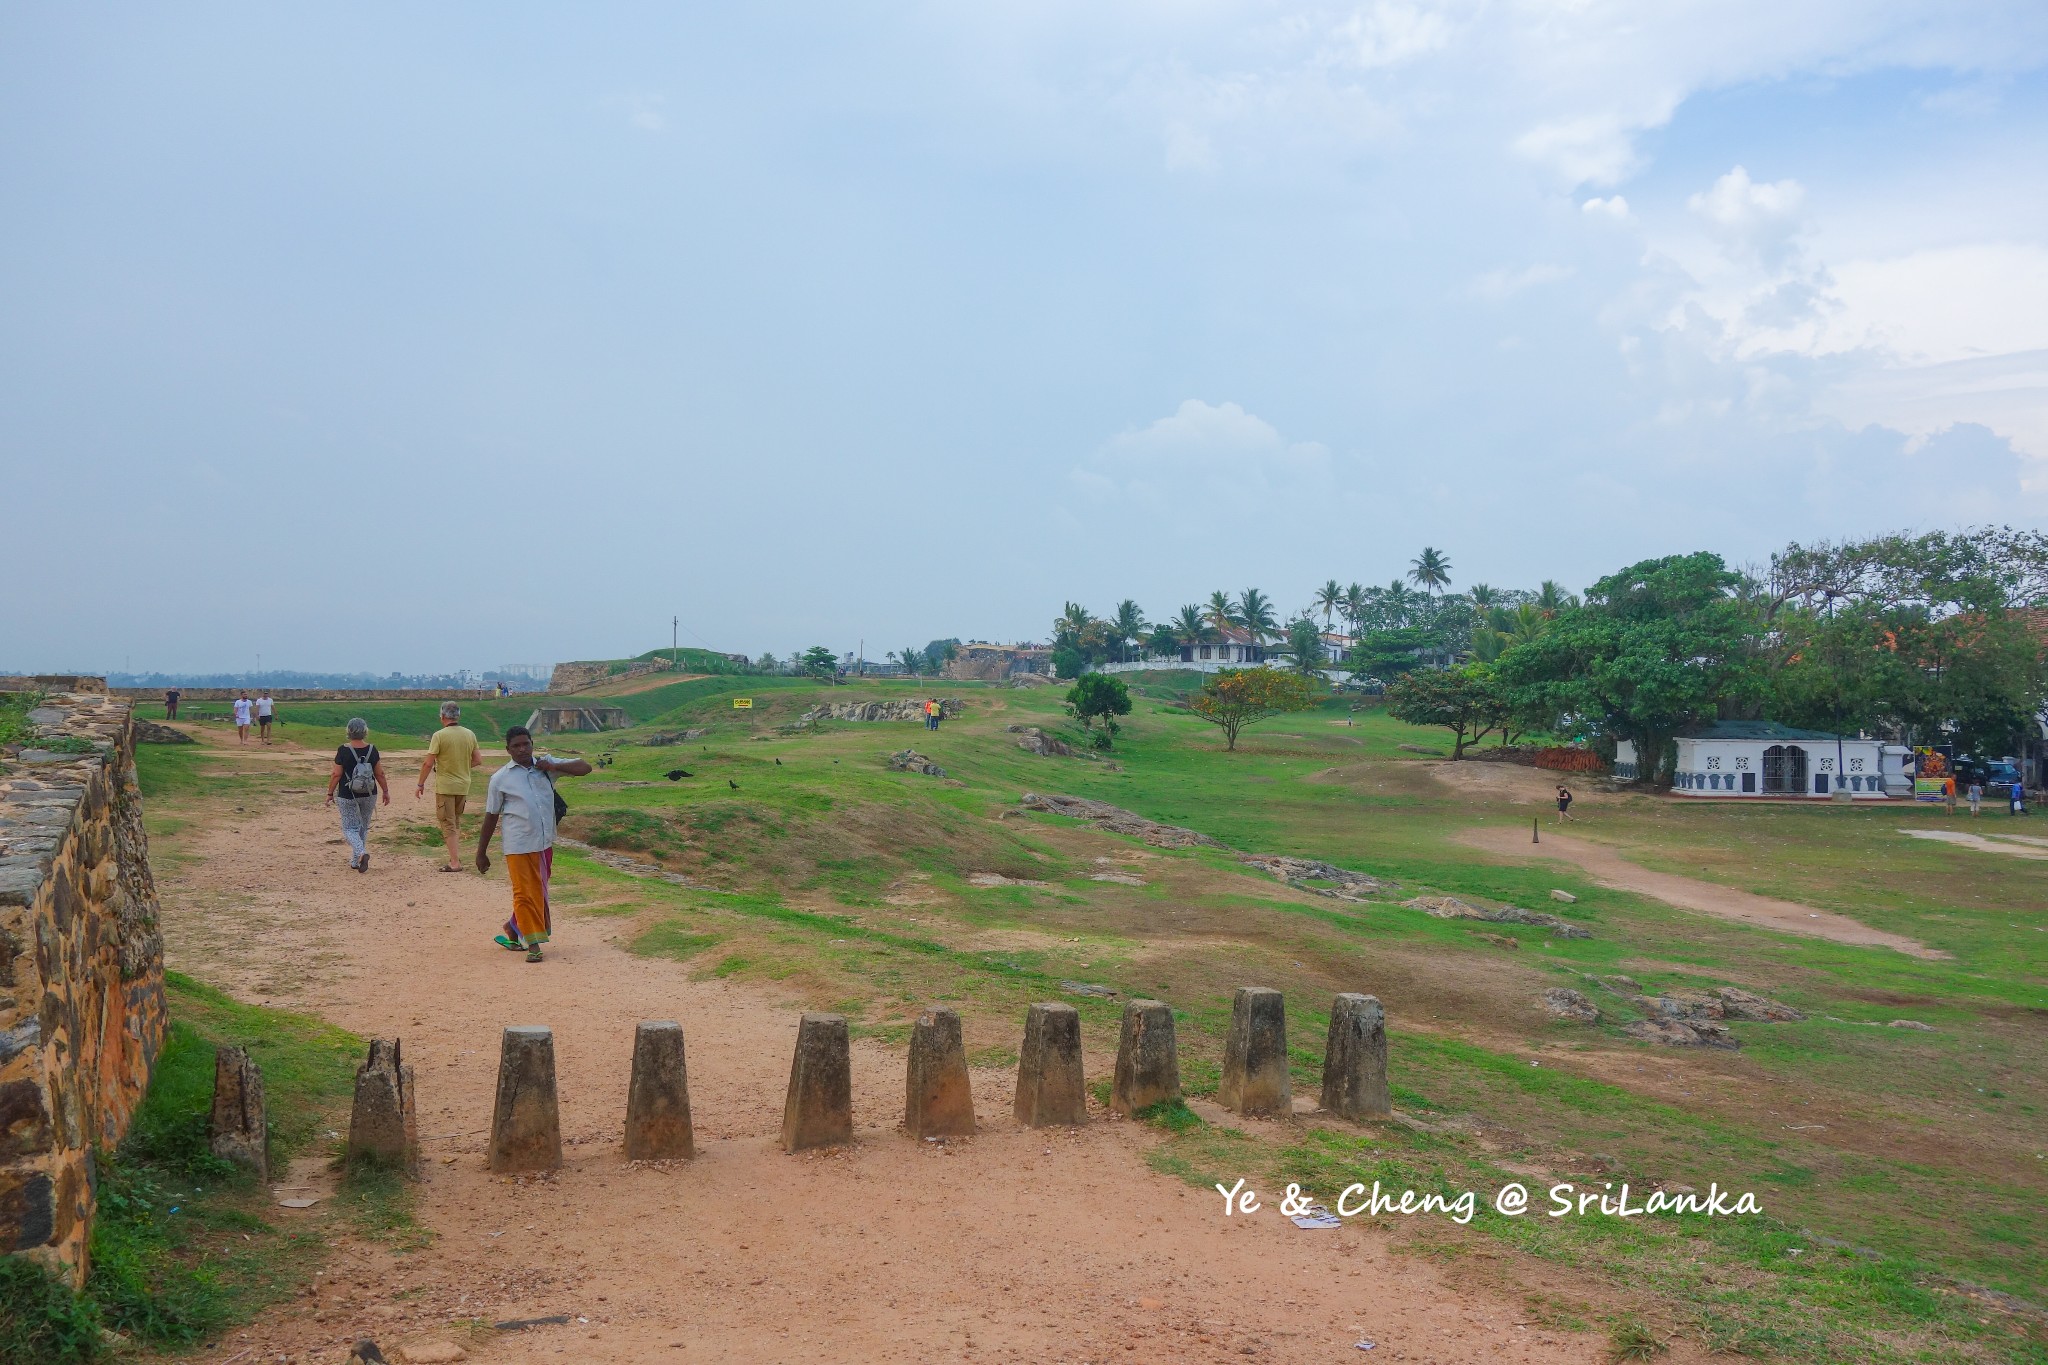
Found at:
[388, 339]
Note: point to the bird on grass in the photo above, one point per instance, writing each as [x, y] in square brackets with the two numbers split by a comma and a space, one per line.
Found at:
[778, 762]
[730, 783]
[676, 774]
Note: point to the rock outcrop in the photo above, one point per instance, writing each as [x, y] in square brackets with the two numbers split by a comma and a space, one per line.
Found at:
[1033, 740]
[1117, 820]
[1450, 907]
[1565, 1003]
[1299, 872]
[911, 761]
[901, 709]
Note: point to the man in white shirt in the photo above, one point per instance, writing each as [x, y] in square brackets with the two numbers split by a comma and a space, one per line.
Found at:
[264, 707]
[521, 796]
[243, 708]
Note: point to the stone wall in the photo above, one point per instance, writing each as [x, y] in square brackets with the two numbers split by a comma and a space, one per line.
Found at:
[995, 663]
[282, 695]
[81, 968]
[574, 677]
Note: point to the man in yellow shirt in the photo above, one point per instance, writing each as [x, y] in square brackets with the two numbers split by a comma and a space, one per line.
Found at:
[451, 755]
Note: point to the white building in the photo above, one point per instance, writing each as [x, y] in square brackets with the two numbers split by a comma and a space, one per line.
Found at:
[1231, 646]
[1762, 758]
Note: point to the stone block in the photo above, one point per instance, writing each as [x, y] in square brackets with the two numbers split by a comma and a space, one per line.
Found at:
[658, 1099]
[28, 1210]
[818, 1111]
[526, 1123]
[1050, 1086]
[1355, 1061]
[1147, 1058]
[382, 1125]
[1255, 1079]
[239, 1129]
[939, 1101]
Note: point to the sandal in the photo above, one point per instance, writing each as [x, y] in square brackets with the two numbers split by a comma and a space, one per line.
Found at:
[510, 945]
[364, 865]
[533, 954]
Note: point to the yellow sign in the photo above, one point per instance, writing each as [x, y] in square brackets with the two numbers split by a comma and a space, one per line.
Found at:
[742, 703]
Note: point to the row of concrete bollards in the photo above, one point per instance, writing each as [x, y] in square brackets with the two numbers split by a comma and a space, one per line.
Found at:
[818, 1109]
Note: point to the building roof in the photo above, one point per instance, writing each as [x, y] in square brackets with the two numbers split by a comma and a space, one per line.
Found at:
[1754, 730]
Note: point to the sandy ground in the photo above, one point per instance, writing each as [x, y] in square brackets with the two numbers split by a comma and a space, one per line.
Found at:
[1609, 868]
[2012, 845]
[1014, 1245]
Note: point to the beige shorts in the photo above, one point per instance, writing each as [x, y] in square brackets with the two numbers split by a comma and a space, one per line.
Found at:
[448, 812]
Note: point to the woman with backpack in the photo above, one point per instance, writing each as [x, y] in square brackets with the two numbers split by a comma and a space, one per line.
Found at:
[357, 778]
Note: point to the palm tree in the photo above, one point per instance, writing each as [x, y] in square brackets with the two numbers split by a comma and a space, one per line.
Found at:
[1355, 603]
[1524, 624]
[1128, 624]
[1255, 614]
[1482, 595]
[1305, 643]
[1071, 621]
[1431, 570]
[1329, 597]
[1220, 614]
[1397, 604]
[1191, 627]
[1552, 599]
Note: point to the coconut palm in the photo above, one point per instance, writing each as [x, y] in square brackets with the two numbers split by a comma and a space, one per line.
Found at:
[1552, 599]
[1396, 604]
[1483, 595]
[1305, 643]
[1128, 625]
[1072, 620]
[1221, 614]
[1329, 598]
[1354, 606]
[1430, 570]
[1524, 623]
[1191, 627]
[1255, 614]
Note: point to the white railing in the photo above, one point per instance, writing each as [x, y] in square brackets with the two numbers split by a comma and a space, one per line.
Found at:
[1334, 676]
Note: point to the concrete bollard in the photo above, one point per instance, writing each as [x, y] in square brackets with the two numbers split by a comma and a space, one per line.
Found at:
[658, 1099]
[1255, 1079]
[939, 1102]
[239, 1129]
[1147, 1058]
[1050, 1088]
[382, 1127]
[526, 1126]
[818, 1111]
[1355, 1062]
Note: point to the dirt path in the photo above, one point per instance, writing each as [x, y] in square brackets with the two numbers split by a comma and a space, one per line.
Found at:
[1610, 869]
[1015, 1245]
[2012, 845]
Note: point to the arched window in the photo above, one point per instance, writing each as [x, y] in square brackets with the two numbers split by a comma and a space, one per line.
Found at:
[1785, 770]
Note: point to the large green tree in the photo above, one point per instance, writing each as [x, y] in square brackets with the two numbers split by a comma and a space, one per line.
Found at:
[1466, 701]
[1238, 697]
[1660, 646]
[1098, 698]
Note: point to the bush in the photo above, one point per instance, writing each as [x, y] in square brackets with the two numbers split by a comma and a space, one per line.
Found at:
[41, 1321]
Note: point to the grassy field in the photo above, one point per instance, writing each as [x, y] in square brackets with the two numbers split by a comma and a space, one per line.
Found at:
[1902, 1172]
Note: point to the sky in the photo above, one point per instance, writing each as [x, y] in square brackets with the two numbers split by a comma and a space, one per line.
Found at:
[414, 338]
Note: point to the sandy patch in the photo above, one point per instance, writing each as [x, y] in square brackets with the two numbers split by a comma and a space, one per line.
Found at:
[1610, 869]
[2012, 845]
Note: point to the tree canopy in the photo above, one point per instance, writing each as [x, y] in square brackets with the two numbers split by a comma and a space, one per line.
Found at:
[1239, 697]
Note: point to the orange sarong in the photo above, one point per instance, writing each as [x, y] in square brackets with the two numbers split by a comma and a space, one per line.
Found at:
[529, 872]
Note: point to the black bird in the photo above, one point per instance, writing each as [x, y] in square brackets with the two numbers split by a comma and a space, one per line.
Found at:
[676, 774]
[778, 762]
[730, 783]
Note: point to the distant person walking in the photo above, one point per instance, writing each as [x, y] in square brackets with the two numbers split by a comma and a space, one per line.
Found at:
[264, 709]
[353, 786]
[1948, 794]
[171, 703]
[244, 710]
[1976, 795]
[451, 755]
[2017, 799]
[522, 795]
[1564, 803]
[931, 714]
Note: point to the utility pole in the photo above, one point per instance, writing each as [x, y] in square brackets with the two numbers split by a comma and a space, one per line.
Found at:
[675, 648]
[860, 660]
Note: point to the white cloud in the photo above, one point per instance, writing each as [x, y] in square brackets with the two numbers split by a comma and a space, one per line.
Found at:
[1752, 216]
[1201, 452]
[1501, 284]
[1614, 206]
[1595, 149]
[1389, 33]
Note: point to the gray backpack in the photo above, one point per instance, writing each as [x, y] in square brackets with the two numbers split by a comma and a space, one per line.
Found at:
[362, 779]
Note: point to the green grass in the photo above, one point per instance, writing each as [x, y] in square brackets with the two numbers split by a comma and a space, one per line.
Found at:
[14, 709]
[182, 1248]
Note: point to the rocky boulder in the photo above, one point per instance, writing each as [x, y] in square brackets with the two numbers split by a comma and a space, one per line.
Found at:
[149, 732]
[1117, 820]
[1299, 872]
[1450, 907]
[901, 709]
[1033, 740]
[911, 761]
[1674, 1033]
[1564, 1003]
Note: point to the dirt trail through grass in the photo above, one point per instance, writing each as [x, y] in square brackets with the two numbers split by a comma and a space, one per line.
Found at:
[1018, 1244]
[1609, 868]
